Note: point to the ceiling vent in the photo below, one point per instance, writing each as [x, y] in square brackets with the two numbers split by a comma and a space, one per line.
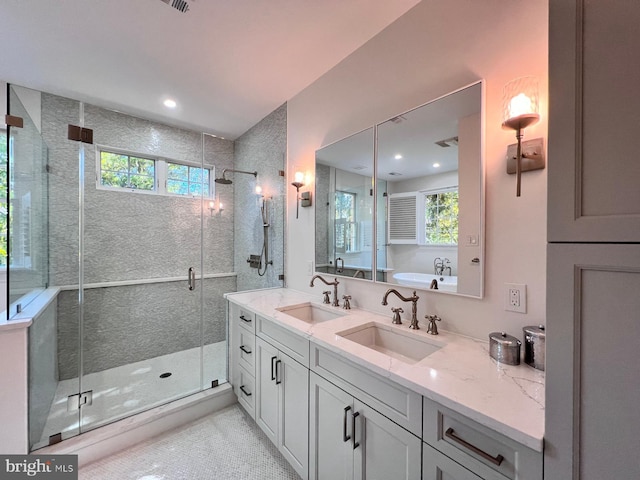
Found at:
[448, 142]
[179, 5]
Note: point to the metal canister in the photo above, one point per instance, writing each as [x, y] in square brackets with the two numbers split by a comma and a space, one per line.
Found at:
[534, 346]
[504, 348]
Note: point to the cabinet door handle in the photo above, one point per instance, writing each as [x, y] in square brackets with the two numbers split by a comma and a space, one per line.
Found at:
[248, 394]
[248, 320]
[345, 437]
[497, 460]
[278, 381]
[273, 368]
[244, 349]
[353, 429]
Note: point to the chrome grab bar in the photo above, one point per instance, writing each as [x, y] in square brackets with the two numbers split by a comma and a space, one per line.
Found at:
[192, 278]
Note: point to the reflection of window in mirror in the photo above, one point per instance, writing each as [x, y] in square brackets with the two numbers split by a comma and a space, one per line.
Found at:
[345, 223]
[440, 217]
[3, 197]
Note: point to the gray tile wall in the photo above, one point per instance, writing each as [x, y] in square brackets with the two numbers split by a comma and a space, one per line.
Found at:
[263, 149]
[323, 173]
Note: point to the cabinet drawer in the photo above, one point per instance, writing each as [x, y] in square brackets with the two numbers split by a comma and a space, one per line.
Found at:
[245, 319]
[394, 401]
[483, 451]
[436, 466]
[296, 346]
[246, 346]
[245, 391]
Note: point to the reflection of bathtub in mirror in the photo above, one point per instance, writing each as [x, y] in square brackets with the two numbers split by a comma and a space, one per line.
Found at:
[446, 283]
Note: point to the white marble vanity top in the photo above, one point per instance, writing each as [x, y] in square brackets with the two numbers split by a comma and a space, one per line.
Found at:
[461, 375]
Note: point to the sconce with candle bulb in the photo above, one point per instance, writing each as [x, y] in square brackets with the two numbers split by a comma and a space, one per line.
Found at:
[302, 199]
[213, 209]
[520, 109]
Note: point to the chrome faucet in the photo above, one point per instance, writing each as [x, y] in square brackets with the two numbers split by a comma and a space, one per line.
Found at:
[335, 283]
[414, 307]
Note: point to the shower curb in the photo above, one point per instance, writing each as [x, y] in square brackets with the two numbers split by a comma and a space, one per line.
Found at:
[109, 439]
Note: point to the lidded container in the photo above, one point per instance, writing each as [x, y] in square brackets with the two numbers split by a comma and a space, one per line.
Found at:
[534, 346]
[504, 348]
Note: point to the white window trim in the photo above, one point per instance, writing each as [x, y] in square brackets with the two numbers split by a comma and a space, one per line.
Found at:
[160, 168]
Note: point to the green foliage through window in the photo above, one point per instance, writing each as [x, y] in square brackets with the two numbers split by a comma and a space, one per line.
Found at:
[187, 180]
[441, 218]
[3, 196]
[125, 171]
[345, 222]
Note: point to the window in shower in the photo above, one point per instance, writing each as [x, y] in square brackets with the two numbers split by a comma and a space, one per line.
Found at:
[188, 180]
[119, 170]
[128, 171]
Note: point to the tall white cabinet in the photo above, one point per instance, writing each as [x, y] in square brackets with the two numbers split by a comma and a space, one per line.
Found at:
[593, 261]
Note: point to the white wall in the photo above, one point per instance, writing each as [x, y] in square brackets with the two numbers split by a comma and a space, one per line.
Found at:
[439, 46]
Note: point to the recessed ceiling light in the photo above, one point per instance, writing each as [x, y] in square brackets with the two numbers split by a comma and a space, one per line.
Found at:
[436, 165]
[397, 156]
[170, 103]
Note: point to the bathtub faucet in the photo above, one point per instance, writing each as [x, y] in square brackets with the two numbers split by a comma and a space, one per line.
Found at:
[414, 305]
[434, 284]
[335, 288]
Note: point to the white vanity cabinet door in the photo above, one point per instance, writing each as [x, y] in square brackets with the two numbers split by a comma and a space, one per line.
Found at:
[383, 450]
[266, 389]
[330, 444]
[436, 466]
[349, 439]
[282, 403]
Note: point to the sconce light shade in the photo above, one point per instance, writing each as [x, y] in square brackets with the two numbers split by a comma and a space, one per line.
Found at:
[520, 108]
[520, 103]
[298, 179]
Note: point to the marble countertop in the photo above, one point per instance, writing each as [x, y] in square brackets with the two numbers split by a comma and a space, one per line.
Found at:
[461, 375]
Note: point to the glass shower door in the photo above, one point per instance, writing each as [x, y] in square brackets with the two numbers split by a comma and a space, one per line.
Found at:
[141, 283]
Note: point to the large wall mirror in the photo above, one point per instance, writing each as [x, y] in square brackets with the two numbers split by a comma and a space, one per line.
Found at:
[344, 207]
[426, 222]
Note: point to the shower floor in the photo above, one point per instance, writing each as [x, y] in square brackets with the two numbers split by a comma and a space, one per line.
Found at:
[123, 391]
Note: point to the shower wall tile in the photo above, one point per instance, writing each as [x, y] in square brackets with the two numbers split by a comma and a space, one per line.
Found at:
[130, 235]
[322, 214]
[137, 322]
[43, 370]
[261, 149]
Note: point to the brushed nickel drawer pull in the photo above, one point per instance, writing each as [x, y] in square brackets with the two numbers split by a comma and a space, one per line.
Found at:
[497, 460]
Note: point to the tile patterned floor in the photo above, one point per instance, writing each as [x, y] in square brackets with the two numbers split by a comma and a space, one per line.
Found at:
[225, 445]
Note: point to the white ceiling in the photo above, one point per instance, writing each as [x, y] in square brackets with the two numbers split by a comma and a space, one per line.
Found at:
[228, 63]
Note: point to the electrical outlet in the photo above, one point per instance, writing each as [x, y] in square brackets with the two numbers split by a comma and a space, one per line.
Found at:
[515, 299]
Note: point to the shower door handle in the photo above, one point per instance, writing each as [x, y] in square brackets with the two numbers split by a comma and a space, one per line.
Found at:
[192, 278]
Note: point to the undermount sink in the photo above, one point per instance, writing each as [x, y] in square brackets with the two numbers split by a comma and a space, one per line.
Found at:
[310, 313]
[405, 346]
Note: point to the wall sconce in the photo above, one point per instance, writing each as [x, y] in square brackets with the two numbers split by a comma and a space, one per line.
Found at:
[303, 199]
[520, 109]
[212, 207]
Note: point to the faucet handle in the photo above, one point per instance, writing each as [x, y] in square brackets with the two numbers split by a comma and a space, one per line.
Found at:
[396, 315]
[346, 305]
[432, 329]
[326, 294]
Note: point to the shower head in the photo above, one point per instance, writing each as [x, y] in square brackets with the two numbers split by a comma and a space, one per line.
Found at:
[225, 181]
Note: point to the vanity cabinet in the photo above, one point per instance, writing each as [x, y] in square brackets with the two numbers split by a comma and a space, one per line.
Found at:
[437, 466]
[282, 405]
[242, 353]
[349, 439]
